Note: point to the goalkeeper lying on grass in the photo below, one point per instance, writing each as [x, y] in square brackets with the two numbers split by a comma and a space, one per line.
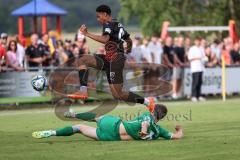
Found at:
[110, 128]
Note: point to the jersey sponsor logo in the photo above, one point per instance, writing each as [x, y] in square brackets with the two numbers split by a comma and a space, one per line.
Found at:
[120, 25]
[108, 30]
[112, 76]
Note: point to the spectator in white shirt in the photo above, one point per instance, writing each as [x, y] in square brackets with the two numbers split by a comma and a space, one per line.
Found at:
[136, 54]
[196, 58]
[156, 50]
[147, 56]
[20, 53]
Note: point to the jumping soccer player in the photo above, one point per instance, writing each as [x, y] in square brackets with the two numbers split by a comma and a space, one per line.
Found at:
[110, 128]
[113, 37]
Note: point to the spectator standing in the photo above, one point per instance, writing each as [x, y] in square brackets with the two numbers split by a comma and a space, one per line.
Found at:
[235, 56]
[226, 54]
[216, 48]
[3, 59]
[156, 50]
[12, 56]
[81, 42]
[46, 50]
[147, 56]
[68, 49]
[187, 44]
[4, 40]
[75, 51]
[136, 54]
[34, 53]
[179, 63]
[168, 57]
[196, 58]
[20, 53]
[211, 57]
[60, 55]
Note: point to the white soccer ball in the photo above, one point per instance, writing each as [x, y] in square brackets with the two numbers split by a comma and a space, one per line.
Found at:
[39, 83]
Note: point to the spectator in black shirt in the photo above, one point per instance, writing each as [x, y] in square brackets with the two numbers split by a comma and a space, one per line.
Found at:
[168, 53]
[235, 56]
[68, 49]
[46, 50]
[179, 60]
[34, 53]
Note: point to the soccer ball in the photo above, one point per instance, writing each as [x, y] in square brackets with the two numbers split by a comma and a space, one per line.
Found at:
[39, 83]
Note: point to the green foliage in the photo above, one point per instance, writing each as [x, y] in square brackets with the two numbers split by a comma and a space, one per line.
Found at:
[153, 13]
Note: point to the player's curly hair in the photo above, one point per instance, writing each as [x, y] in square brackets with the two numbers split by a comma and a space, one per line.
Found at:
[104, 8]
[160, 111]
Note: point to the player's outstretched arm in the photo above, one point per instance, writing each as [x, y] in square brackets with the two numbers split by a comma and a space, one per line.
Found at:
[100, 38]
[178, 134]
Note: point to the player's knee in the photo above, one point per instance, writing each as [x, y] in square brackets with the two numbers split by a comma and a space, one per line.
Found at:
[83, 62]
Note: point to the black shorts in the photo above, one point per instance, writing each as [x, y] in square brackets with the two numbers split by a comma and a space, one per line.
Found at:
[113, 69]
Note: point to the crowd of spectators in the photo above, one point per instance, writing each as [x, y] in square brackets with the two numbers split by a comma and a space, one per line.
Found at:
[179, 52]
[175, 53]
[42, 51]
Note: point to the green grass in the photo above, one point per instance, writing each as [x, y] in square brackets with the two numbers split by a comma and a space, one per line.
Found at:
[211, 132]
[25, 100]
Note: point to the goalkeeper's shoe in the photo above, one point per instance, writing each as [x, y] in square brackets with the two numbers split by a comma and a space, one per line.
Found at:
[151, 104]
[42, 134]
[83, 95]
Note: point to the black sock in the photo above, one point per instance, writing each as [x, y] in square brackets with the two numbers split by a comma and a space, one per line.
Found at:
[132, 97]
[83, 77]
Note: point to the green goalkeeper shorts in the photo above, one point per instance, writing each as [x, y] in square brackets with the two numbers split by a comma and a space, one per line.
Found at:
[108, 128]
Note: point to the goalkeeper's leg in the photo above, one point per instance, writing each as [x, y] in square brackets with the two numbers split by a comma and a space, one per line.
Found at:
[85, 130]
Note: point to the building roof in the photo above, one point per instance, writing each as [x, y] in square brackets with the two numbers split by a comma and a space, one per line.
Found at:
[39, 8]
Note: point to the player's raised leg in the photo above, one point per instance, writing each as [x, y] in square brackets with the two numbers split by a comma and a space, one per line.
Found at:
[83, 63]
[118, 93]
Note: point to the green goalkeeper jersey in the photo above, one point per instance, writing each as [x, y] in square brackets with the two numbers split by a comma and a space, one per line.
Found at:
[133, 128]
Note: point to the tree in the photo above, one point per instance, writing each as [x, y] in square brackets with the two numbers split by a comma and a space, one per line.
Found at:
[152, 13]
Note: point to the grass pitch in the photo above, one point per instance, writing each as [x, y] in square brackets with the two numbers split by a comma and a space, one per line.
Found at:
[211, 131]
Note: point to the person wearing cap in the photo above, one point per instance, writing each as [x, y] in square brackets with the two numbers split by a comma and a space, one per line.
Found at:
[3, 60]
[4, 39]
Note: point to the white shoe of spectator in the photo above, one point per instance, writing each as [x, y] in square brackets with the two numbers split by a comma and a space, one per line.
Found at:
[194, 99]
[202, 99]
